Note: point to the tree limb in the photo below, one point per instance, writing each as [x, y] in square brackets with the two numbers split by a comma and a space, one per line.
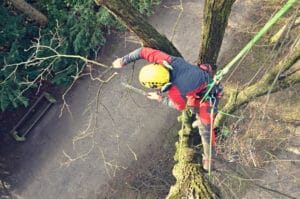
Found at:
[33, 13]
[263, 86]
[133, 20]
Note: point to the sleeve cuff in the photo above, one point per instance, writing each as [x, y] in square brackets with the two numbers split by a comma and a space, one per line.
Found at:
[159, 98]
[122, 63]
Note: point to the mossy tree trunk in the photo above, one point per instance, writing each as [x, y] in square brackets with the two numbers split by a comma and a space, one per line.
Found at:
[29, 10]
[214, 23]
[134, 21]
[273, 81]
[190, 181]
[279, 36]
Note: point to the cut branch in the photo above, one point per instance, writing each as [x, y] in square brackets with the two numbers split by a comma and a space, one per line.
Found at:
[279, 35]
[33, 13]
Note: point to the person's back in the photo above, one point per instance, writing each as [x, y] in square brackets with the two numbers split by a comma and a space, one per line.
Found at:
[187, 77]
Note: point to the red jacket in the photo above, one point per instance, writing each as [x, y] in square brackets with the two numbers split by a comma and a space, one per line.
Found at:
[188, 80]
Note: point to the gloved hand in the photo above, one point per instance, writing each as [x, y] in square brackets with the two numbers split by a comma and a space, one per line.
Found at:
[117, 63]
[154, 96]
[196, 123]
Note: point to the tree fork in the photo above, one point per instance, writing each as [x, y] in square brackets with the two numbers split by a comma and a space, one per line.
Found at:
[133, 20]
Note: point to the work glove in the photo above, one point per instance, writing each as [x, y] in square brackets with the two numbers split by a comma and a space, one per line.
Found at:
[117, 63]
[154, 96]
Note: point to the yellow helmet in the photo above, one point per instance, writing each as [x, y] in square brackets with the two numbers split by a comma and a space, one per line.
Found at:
[154, 76]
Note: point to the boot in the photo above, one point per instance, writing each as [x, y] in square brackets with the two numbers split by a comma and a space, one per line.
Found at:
[206, 163]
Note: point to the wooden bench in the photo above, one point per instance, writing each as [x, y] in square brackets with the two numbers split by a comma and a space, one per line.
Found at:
[32, 116]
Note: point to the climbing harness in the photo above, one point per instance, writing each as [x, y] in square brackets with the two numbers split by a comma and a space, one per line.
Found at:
[206, 67]
[212, 89]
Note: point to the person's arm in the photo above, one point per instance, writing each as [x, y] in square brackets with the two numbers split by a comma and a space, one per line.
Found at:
[160, 98]
[153, 55]
[166, 100]
[174, 99]
[149, 54]
[133, 56]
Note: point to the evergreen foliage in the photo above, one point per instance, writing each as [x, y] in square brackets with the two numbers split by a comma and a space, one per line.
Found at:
[145, 6]
[82, 27]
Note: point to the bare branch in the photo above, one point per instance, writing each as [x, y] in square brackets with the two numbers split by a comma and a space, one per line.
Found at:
[265, 85]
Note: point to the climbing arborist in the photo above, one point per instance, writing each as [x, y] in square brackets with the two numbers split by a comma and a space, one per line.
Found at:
[185, 84]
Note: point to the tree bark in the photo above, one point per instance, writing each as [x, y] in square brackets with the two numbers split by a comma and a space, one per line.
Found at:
[33, 13]
[279, 35]
[190, 181]
[134, 21]
[268, 83]
[215, 18]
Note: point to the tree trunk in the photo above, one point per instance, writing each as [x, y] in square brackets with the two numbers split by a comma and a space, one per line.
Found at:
[30, 11]
[190, 182]
[134, 21]
[269, 82]
[216, 13]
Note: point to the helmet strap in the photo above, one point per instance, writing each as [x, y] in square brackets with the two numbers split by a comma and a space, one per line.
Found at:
[166, 87]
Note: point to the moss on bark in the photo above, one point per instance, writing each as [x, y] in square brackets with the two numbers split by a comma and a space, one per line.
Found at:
[214, 23]
[269, 83]
[190, 181]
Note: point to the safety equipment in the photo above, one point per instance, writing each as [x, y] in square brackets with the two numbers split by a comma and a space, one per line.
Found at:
[154, 76]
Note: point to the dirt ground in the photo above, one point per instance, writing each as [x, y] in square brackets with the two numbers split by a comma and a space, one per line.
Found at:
[107, 142]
